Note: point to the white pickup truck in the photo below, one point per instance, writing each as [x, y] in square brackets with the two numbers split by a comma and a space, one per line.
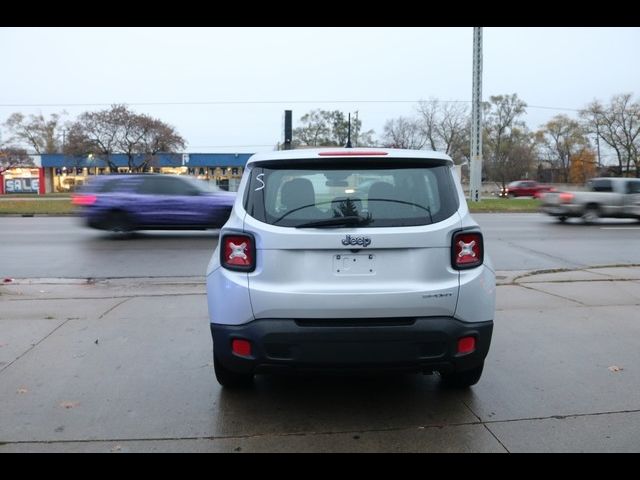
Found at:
[603, 197]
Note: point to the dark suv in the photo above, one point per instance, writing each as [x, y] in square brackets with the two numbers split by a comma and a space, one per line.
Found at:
[123, 203]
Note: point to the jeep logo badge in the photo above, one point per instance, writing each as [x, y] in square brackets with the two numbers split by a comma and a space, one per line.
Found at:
[349, 240]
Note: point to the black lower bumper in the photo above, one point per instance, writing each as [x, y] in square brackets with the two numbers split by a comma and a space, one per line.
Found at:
[403, 344]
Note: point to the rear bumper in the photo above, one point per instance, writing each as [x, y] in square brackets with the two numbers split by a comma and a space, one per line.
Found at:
[403, 344]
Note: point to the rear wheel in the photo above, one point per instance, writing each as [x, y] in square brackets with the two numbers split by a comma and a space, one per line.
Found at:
[230, 379]
[118, 222]
[562, 219]
[591, 214]
[463, 379]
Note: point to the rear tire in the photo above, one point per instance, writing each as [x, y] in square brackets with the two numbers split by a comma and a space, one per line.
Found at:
[118, 222]
[591, 214]
[463, 379]
[562, 219]
[230, 379]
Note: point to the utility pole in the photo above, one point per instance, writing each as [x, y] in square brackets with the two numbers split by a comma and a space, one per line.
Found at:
[356, 130]
[475, 167]
[288, 129]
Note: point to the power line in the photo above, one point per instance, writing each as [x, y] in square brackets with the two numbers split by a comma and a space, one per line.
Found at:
[218, 102]
[554, 108]
[253, 102]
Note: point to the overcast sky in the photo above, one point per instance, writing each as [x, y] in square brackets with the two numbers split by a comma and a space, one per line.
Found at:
[379, 72]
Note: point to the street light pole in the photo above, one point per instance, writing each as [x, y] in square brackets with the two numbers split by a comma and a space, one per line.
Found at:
[356, 129]
[475, 167]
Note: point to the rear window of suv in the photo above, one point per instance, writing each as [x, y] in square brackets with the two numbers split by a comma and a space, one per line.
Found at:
[600, 185]
[398, 193]
[99, 185]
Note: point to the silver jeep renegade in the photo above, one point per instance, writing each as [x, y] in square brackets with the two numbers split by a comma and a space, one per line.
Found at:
[347, 260]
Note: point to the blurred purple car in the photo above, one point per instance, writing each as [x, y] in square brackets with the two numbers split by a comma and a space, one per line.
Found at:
[124, 203]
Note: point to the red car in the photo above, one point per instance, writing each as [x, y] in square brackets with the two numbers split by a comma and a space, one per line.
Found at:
[527, 188]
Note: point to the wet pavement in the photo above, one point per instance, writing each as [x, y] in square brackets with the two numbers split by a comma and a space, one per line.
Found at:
[124, 365]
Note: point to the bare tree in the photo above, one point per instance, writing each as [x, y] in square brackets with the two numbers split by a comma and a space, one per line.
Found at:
[157, 137]
[339, 127]
[521, 156]
[132, 129]
[314, 131]
[627, 115]
[39, 133]
[95, 133]
[453, 125]
[428, 110]
[330, 128]
[119, 130]
[563, 139]
[11, 157]
[508, 144]
[446, 126]
[599, 119]
[592, 126]
[403, 132]
[618, 125]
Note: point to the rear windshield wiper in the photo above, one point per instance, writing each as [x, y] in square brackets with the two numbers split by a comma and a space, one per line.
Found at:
[352, 220]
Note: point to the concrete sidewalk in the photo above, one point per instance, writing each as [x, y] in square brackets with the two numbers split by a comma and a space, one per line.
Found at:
[125, 365]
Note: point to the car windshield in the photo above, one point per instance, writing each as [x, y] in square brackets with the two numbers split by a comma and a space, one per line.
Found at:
[334, 197]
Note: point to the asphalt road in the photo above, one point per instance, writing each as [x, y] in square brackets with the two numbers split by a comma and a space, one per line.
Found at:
[61, 247]
[534, 241]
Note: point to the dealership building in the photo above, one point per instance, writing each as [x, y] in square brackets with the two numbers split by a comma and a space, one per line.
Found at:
[58, 173]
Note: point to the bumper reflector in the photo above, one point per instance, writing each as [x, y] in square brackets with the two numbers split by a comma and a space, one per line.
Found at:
[466, 344]
[241, 347]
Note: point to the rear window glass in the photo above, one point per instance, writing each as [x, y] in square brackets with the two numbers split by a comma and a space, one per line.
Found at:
[633, 187]
[600, 185]
[203, 185]
[386, 195]
[166, 186]
[108, 186]
[100, 185]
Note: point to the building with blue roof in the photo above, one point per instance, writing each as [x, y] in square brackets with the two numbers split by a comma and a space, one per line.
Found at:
[62, 173]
